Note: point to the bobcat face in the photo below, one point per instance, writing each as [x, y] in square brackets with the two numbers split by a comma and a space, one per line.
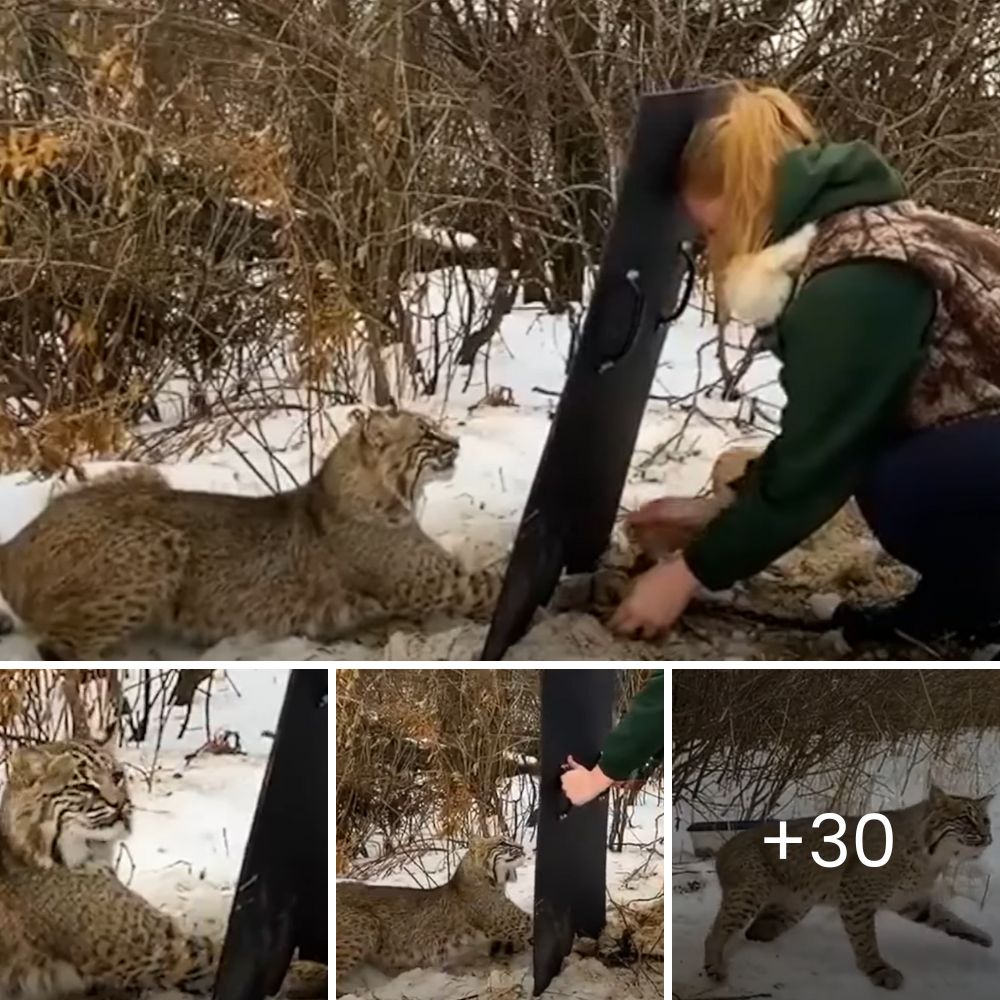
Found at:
[65, 804]
[958, 826]
[499, 859]
[404, 447]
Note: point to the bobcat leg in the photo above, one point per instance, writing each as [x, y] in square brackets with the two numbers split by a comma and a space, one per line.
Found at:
[773, 921]
[859, 922]
[189, 965]
[739, 906]
[443, 584]
[515, 934]
[140, 573]
[305, 981]
[475, 594]
[356, 946]
[29, 975]
[927, 911]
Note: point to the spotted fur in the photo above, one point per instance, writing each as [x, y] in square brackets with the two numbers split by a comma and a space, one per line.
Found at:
[342, 552]
[66, 929]
[400, 928]
[767, 896]
[65, 804]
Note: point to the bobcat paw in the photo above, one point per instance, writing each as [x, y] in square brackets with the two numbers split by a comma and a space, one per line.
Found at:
[887, 977]
[716, 971]
[976, 936]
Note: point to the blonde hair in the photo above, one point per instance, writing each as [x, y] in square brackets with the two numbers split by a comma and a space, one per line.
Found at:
[734, 156]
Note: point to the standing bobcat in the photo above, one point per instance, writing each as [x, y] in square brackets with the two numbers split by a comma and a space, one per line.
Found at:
[772, 895]
[402, 928]
[66, 930]
[343, 551]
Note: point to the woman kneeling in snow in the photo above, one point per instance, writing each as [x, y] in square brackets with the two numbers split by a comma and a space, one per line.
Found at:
[886, 318]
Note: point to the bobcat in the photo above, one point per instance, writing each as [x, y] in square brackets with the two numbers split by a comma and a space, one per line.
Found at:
[66, 930]
[773, 895]
[400, 928]
[65, 804]
[339, 553]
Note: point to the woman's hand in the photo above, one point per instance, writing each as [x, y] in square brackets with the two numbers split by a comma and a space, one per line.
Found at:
[658, 598]
[581, 784]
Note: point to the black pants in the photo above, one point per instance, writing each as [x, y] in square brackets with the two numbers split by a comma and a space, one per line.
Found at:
[933, 502]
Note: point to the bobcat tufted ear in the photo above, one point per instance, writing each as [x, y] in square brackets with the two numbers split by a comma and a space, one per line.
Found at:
[33, 765]
[60, 770]
[985, 800]
[391, 408]
[109, 741]
[936, 797]
[26, 765]
[357, 416]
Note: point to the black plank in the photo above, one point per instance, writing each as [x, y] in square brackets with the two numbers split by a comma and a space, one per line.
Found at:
[281, 897]
[572, 845]
[570, 512]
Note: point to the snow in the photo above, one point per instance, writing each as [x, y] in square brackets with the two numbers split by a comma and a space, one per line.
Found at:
[192, 818]
[634, 875]
[814, 961]
[477, 511]
[192, 823]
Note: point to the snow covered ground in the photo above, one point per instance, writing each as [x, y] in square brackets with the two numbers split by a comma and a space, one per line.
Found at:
[634, 875]
[813, 961]
[477, 511]
[192, 818]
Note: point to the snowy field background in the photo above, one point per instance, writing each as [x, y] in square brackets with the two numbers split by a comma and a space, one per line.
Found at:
[191, 826]
[631, 877]
[814, 961]
[477, 511]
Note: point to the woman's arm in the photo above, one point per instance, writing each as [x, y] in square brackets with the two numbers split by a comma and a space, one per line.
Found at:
[636, 739]
[853, 340]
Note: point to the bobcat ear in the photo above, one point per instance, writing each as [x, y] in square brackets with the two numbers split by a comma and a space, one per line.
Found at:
[936, 797]
[357, 416]
[26, 765]
[109, 741]
[985, 800]
[392, 409]
[33, 765]
[60, 770]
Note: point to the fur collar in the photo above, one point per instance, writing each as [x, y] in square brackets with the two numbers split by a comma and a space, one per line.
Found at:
[759, 286]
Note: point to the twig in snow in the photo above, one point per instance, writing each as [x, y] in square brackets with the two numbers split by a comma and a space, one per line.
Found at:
[123, 851]
[229, 678]
[227, 741]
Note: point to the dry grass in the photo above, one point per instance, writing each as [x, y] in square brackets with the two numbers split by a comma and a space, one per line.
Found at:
[215, 209]
[437, 752]
[760, 733]
[40, 705]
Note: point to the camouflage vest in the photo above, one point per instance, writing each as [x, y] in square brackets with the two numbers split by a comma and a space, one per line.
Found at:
[961, 375]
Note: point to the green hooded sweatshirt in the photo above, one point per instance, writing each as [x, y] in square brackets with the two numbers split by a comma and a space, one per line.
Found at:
[851, 343]
[638, 738]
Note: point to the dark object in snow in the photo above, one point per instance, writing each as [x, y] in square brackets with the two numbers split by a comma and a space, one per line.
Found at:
[571, 508]
[708, 837]
[281, 898]
[225, 741]
[572, 843]
[186, 686]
